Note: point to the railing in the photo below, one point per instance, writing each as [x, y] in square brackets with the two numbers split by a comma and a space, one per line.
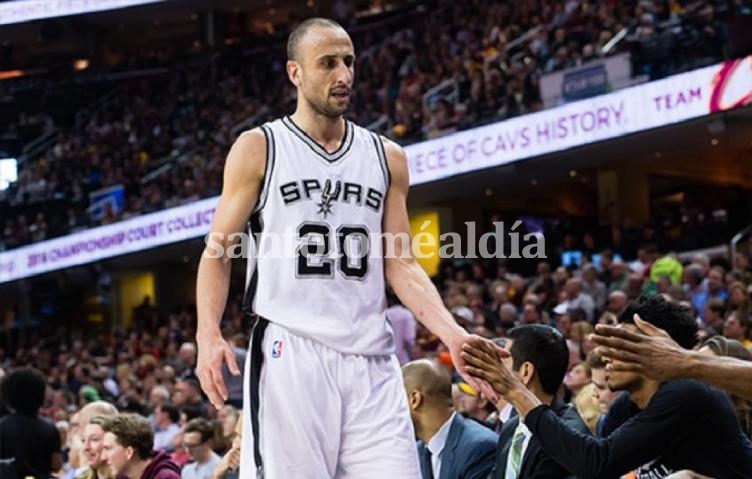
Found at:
[98, 105]
[735, 241]
[40, 144]
[248, 123]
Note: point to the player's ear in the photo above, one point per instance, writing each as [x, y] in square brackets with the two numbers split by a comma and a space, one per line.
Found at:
[526, 372]
[293, 72]
[414, 399]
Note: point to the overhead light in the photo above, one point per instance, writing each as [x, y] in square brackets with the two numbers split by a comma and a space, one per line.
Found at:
[81, 64]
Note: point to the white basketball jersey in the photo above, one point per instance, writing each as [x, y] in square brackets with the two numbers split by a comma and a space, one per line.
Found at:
[317, 226]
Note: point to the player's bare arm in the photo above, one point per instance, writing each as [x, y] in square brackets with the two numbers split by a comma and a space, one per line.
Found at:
[243, 174]
[403, 273]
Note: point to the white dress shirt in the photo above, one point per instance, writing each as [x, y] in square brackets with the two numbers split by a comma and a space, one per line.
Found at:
[437, 443]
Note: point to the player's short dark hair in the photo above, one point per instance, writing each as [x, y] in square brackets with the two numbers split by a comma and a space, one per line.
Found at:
[545, 348]
[297, 35]
[172, 411]
[201, 426]
[23, 391]
[132, 430]
[676, 320]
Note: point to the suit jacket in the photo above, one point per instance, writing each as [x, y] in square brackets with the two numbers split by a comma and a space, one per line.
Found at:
[469, 452]
[536, 464]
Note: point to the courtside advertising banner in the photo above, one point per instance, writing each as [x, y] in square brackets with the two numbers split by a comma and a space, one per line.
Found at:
[651, 105]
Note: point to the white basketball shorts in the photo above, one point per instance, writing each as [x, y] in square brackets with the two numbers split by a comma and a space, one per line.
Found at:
[312, 412]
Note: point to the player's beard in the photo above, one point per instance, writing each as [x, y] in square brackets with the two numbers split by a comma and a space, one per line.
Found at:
[324, 108]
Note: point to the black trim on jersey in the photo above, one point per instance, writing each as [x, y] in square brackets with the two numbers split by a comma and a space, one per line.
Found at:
[333, 157]
[257, 360]
[386, 163]
[382, 159]
[255, 226]
[268, 168]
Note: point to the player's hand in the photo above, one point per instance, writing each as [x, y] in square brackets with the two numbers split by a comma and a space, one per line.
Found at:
[455, 346]
[484, 362]
[213, 352]
[651, 352]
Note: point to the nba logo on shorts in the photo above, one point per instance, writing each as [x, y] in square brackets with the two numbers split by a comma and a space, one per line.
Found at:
[277, 349]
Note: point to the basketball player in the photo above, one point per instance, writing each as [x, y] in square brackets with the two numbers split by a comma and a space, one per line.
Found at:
[323, 390]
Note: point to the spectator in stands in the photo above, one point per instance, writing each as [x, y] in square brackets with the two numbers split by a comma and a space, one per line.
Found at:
[187, 396]
[404, 325]
[656, 426]
[593, 287]
[539, 358]
[228, 467]
[449, 445]
[602, 393]
[187, 355]
[576, 298]
[617, 301]
[713, 317]
[577, 378]
[128, 449]
[473, 405]
[738, 326]
[738, 298]
[720, 346]
[32, 442]
[166, 417]
[197, 440]
[93, 436]
[158, 396]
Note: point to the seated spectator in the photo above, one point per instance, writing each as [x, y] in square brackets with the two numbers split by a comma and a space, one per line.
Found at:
[32, 442]
[166, 419]
[229, 466]
[738, 326]
[197, 440]
[720, 346]
[96, 466]
[539, 358]
[449, 445]
[473, 405]
[601, 392]
[128, 448]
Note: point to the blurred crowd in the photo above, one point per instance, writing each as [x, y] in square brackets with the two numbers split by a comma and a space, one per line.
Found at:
[148, 368]
[163, 136]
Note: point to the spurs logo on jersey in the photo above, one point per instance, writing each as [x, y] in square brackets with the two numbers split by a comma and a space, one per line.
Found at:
[329, 283]
[345, 192]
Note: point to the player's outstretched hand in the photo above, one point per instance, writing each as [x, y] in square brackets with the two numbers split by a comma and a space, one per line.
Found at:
[483, 359]
[213, 352]
[651, 352]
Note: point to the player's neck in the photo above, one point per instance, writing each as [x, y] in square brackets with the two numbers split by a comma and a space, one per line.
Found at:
[325, 130]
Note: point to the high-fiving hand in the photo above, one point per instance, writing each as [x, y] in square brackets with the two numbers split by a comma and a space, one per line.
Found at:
[483, 359]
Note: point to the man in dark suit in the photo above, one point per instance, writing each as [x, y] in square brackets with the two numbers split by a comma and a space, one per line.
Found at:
[539, 355]
[449, 446]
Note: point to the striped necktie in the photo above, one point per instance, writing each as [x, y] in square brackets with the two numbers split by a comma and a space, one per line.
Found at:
[515, 454]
